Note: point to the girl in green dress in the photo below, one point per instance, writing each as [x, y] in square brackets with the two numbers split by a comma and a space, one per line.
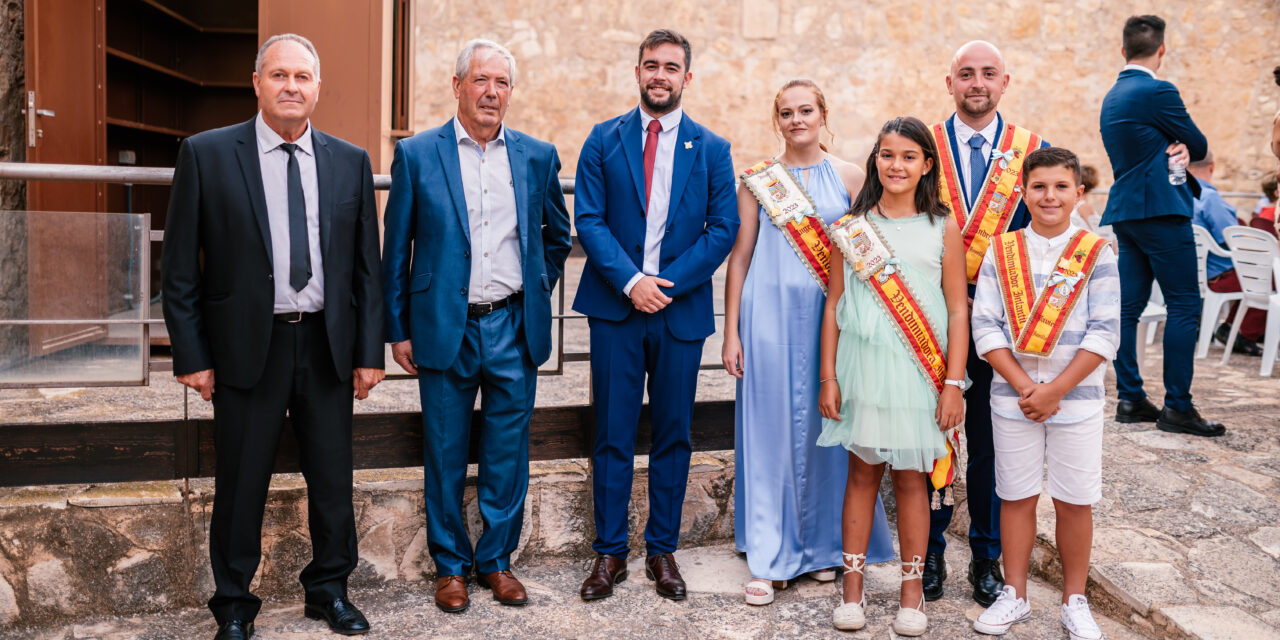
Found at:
[875, 399]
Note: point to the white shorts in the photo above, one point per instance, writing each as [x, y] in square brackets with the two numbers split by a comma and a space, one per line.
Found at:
[1073, 453]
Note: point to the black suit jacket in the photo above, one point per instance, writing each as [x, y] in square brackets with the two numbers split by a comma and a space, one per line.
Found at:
[219, 293]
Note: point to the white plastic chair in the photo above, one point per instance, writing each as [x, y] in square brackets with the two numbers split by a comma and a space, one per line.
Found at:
[1154, 314]
[1272, 339]
[1254, 253]
[1214, 303]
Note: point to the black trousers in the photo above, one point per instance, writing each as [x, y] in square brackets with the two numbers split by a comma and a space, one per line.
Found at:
[299, 377]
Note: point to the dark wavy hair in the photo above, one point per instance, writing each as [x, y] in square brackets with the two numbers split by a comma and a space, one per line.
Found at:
[927, 200]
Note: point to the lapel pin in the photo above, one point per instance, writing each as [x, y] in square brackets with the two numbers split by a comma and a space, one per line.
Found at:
[688, 145]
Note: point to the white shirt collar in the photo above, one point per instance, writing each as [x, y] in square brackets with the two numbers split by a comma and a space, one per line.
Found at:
[269, 140]
[964, 131]
[669, 121]
[461, 133]
[1058, 239]
[1139, 68]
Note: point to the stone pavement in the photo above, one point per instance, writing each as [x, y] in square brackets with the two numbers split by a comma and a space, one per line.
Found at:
[714, 610]
[1187, 535]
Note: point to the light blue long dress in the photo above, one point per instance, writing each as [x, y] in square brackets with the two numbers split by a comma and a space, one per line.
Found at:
[789, 492]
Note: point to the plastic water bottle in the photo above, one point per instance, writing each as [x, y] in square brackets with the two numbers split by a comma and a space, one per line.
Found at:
[1177, 171]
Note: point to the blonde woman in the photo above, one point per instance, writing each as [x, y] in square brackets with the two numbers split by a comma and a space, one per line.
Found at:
[788, 491]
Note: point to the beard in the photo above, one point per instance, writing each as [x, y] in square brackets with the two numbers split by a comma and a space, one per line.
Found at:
[662, 106]
[983, 108]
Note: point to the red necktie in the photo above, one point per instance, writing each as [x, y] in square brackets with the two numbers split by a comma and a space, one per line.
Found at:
[650, 152]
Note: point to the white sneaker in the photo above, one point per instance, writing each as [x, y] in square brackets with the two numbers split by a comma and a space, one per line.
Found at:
[1078, 620]
[1006, 611]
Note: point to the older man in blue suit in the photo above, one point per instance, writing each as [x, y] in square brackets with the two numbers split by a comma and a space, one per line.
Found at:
[476, 237]
[1144, 123]
[656, 213]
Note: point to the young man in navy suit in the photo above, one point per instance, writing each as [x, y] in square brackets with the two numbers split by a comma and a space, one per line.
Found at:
[476, 237]
[656, 212]
[1145, 127]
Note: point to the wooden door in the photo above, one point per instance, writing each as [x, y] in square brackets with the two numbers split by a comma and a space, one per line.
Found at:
[66, 111]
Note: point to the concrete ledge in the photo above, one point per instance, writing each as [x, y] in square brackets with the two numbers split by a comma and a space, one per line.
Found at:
[137, 548]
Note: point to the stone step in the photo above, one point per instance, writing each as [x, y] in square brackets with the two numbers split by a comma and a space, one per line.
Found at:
[714, 609]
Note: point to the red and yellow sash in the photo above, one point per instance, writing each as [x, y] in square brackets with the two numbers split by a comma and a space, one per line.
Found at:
[1001, 192]
[792, 210]
[865, 249]
[1037, 323]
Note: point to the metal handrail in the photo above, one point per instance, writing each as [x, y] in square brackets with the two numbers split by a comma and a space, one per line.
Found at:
[136, 175]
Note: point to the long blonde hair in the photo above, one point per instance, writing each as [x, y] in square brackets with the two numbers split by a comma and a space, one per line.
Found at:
[822, 107]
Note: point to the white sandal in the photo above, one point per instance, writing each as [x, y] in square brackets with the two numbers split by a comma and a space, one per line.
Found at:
[763, 585]
[851, 616]
[823, 575]
[912, 622]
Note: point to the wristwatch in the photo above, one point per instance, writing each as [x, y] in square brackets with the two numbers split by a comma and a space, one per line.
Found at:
[961, 384]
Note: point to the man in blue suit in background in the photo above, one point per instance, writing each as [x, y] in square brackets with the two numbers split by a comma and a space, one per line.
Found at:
[476, 237]
[656, 212]
[1144, 123]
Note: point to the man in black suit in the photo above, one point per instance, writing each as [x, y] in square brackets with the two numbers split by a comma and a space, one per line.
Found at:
[271, 284]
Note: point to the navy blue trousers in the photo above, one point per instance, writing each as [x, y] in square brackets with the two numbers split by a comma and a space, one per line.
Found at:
[622, 354]
[1163, 249]
[494, 361]
[979, 473]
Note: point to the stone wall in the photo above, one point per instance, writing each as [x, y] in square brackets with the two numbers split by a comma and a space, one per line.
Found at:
[13, 232]
[874, 60]
[67, 552]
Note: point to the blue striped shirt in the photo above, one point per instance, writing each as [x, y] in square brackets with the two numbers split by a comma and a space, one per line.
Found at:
[1094, 325]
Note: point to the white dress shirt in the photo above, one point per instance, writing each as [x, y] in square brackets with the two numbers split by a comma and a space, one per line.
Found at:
[659, 197]
[275, 186]
[491, 211]
[1094, 325]
[1139, 67]
[963, 133]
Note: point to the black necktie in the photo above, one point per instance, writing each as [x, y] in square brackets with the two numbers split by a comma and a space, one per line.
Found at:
[299, 255]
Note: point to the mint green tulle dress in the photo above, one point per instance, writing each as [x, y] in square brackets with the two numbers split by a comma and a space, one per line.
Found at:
[887, 405]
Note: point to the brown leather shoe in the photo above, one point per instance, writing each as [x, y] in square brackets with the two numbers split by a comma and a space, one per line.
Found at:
[607, 571]
[506, 588]
[451, 594]
[664, 573]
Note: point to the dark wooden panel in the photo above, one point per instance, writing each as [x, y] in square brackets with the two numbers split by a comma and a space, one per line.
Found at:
[122, 451]
[74, 453]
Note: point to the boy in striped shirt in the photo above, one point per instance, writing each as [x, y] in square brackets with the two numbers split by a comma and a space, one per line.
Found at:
[1046, 315]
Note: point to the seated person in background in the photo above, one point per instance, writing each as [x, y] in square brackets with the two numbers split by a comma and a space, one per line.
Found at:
[1213, 213]
[1083, 213]
[1264, 214]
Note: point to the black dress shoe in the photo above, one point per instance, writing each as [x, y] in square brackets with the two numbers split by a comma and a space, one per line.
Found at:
[1222, 333]
[234, 630]
[342, 616]
[1242, 346]
[1130, 411]
[987, 581]
[935, 573]
[1246, 347]
[1188, 422]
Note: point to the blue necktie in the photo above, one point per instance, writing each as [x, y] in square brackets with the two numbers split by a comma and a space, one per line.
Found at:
[977, 167]
[299, 256]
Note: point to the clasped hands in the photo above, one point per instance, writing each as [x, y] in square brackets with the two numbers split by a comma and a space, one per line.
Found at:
[647, 296]
[363, 379]
[1039, 401]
